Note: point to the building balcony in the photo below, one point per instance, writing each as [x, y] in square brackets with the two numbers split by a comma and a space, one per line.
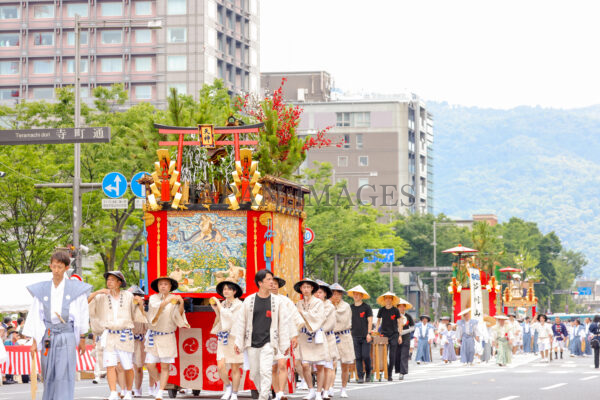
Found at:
[10, 52]
[9, 80]
[12, 25]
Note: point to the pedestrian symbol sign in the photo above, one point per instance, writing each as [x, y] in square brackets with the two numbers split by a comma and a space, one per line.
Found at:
[136, 188]
[114, 185]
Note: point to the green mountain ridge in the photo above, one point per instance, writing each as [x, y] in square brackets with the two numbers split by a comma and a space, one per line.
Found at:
[539, 164]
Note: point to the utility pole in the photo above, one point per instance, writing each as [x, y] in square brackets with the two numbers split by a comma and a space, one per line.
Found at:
[77, 155]
[391, 278]
[434, 245]
[435, 295]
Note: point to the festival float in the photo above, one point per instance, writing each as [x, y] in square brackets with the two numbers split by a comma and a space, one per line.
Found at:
[210, 216]
[518, 296]
[472, 287]
[483, 292]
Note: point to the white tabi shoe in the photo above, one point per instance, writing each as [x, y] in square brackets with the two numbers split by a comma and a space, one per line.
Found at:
[311, 395]
[137, 393]
[343, 394]
[227, 393]
[127, 396]
[114, 396]
[318, 396]
[302, 386]
[158, 395]
[233, 396]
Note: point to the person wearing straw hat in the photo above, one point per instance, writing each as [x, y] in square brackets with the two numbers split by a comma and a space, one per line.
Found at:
[324, 293]
[262, 331]
[312, 342]
[295, 322]
[389, 323]
[424, 332]
[467, 332]
[503, 337]
[226, 313]
[343, 334]
[403, 351]
[118, 311]
[58, 322]
[165, 314]
[139, 352]
[362, 322]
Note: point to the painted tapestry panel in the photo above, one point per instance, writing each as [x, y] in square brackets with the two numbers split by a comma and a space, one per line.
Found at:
[205, 248]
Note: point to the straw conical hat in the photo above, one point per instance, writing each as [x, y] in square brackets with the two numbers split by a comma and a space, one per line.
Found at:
[337, 287]
[381, 299]
[407, 305]
[489, 321]
[359, 289]
[463, 312]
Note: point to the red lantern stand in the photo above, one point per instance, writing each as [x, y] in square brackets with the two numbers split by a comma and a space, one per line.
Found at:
[196, 365]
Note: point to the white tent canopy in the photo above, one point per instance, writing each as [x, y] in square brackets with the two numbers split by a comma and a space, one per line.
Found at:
[14, 296]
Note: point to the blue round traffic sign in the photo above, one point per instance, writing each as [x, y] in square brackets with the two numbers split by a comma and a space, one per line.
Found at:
[309, 236]
[136, 188]
[114, 185]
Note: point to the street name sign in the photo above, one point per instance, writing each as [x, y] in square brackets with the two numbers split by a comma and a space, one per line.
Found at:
[55, 135]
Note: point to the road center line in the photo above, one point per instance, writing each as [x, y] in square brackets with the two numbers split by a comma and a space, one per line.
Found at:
[509, 398]
[553, 386]
[587, 378]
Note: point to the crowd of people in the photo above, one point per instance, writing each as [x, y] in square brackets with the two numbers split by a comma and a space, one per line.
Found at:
[262, 333]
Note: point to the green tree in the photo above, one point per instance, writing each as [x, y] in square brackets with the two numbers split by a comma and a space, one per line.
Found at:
[33, 222]
[486, 242]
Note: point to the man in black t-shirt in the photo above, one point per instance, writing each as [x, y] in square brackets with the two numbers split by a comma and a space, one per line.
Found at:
[389, 320]
[261, 330]
[362, 323]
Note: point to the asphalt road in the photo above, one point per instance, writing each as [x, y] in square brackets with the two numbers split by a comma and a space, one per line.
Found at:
[527, 378]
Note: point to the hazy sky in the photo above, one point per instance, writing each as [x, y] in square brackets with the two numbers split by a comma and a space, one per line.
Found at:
[484, 53]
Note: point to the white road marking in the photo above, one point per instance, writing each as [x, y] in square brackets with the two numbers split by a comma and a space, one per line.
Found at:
[587, 378]
[558, 372]
[553, 386]
[509, 398]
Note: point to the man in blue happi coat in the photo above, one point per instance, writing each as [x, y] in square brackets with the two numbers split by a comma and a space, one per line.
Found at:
[58, 322]
[527, 338]
[425, 334]
[467, 333]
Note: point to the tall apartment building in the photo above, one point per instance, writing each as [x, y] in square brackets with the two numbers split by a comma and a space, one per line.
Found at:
[200, 40]
[387, 153]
